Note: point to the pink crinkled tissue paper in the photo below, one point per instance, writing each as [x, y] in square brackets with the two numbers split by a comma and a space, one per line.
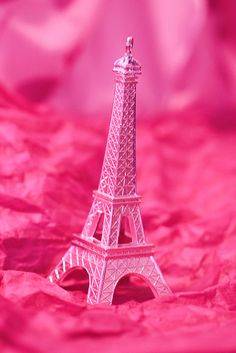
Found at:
[55, 100]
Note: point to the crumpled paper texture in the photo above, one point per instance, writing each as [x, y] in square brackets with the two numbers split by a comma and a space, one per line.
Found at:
[49, 166]
[56, 91]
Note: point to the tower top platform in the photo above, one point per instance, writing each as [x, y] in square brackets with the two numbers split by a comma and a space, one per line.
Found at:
[127, 65]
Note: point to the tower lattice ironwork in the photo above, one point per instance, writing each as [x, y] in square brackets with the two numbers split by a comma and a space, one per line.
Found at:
[106, 258]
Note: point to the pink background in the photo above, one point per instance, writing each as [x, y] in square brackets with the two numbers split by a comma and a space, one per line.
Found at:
[56, 88]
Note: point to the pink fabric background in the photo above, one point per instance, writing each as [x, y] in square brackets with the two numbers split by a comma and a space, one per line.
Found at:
[55, 101]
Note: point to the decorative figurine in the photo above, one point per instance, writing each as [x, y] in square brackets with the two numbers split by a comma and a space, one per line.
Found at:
[106, 258]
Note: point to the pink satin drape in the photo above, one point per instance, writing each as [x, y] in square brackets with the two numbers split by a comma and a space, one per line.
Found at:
[62, 52]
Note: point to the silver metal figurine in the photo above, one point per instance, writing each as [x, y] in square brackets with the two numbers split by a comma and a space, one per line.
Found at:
[107, 259]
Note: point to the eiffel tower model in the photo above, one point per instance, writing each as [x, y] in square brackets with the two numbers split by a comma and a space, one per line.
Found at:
[107, 258]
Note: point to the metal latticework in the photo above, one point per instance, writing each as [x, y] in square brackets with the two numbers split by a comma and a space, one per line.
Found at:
[106, 260]
[106, 268]
[118, 176]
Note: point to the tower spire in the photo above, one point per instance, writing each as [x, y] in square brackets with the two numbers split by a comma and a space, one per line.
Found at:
[129, 45]
[105, 257]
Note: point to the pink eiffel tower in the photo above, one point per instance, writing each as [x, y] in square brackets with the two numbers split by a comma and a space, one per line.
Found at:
[106, 258]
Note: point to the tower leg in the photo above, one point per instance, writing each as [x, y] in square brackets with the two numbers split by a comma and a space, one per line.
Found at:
[145, 267]
[67, 264]
[137, 225]
[92, 220]
[155, 278]
[111, 227]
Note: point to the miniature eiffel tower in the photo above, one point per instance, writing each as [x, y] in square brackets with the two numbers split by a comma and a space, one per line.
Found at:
[107, 259]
